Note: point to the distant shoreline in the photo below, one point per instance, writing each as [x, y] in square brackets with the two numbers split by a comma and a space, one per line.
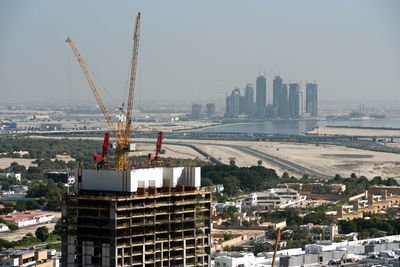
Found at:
[364, 127]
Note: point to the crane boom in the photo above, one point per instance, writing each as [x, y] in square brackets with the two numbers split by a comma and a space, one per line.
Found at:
[89, 78]
[132, 78]
[278, 237]
[123, 128]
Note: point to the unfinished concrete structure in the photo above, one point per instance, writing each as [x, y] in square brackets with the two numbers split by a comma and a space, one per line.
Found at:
[142, 217]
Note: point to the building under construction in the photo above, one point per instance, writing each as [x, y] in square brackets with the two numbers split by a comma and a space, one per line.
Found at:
[142, 217]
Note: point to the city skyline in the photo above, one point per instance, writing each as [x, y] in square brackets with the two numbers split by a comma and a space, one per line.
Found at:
[288, 100]
[348, 57]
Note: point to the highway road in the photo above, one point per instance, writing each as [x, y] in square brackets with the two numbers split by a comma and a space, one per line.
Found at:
[279, 162]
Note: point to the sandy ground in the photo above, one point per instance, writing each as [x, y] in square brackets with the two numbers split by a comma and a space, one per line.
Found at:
[225, 154]
[333, 160]
[354, 131]
[65, 158]
[5, 162]
[328, 159]
[174, 151]
[20, 233]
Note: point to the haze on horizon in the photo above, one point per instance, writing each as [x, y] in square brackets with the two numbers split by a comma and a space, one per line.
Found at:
[198, 51]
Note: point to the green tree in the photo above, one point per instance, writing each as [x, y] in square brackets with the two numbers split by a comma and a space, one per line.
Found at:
[42, 233]
[206, 182]
[348, 226]
[58, 229]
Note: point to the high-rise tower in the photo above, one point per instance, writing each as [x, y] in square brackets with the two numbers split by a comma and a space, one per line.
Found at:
[283, 110]
[277, 90]
[312, 99]
[235, 102]
[294, 100]
[280, 97]
[249, 96]
[261, 95]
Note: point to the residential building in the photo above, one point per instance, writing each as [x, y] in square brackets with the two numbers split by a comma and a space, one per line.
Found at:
[273, 198]
[312, 99]
[323, 191]
[4, 228]
[13, 196]
[11, 175]
[280, 97]
[196, 110]
[261, 95]
[283, 109]
[38, 258]
[377, 189]
[19, 188]
[222, 207]
[233, 103]
[320, 232]
[249, 99]
[235, 259]
[210, 109]
[141, 217]
[27, 218]
[217, 188]
[364, 203]
[294, 100]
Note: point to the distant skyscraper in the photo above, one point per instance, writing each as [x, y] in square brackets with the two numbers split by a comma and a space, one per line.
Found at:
[249, 96]
[228, 106]
[294, 100]
[301, 103]
[312, 99]
[210, 109]
[261, 95]
[276, 90]
[235, 102]
[280, 97]
[283, 109]
[196, 110]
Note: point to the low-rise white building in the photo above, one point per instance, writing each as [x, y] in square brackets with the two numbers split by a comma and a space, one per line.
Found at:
[222, 207]
[4, 228]
[12, 196]
[274, 197]
[235, 259]
[11, 175]
[19, 188]
[24, 219]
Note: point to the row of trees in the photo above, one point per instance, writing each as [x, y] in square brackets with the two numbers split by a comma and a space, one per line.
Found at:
[42, 234]
[356, 185]
[81, 150]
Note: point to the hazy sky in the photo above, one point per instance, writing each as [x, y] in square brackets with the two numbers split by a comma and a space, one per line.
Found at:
[198, 50]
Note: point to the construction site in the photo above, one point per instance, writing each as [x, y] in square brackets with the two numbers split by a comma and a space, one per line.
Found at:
[164, 222]
[124, 215]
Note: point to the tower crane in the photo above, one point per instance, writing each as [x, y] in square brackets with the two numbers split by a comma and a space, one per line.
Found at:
[123, 130]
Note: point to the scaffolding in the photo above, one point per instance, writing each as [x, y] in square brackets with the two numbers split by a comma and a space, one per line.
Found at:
[154, 227]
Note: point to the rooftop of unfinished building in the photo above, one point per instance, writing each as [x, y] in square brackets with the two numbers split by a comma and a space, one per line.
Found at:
[138, 182]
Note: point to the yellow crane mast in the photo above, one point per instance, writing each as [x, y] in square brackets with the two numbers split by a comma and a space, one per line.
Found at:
[123, 130]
